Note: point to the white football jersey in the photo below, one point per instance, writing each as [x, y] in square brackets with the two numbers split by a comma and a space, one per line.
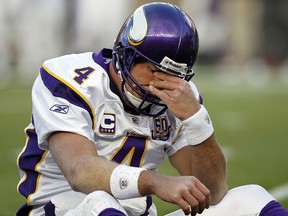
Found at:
[74, 93]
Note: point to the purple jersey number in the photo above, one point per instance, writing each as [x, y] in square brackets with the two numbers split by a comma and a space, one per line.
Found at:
[133, 148]
[83, 74]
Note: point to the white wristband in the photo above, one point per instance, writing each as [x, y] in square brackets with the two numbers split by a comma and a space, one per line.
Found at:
[124, 182]
[198, 127]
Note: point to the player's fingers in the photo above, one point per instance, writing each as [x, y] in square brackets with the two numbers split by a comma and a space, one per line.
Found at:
[167, 96]
[197, 200]
[193, 203]
[163, 84]
[160, 94]
[204, 191]
[171, 83]
[184, 206]
[167, 77]
[176, 91]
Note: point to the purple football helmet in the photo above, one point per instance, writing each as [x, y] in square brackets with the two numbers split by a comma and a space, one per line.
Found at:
[160, 33]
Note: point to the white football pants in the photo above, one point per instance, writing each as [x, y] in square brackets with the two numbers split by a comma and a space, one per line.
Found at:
[246, 200]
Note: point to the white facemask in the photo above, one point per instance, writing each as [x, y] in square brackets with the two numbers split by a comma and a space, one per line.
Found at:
[135, 100]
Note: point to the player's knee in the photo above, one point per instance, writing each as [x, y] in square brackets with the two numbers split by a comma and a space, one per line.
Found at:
[96, 196]
[251, 192]
[251, 197]
[243, 200]
[102, 203]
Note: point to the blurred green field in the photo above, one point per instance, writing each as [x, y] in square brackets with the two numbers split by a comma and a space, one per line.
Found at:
[250, 121]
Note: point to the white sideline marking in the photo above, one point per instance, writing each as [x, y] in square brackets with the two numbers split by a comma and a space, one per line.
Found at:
[280, 192]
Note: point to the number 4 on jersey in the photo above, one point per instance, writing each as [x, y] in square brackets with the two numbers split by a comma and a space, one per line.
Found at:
[83, 74]
[132, 151]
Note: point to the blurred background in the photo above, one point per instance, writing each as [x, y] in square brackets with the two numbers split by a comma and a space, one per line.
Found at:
[242, 73]
[237, 32]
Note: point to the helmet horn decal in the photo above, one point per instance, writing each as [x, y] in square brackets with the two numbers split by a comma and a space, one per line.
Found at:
[139, 28]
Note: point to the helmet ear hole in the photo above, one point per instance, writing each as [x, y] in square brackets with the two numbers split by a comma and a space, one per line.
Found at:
[119, 52]
[118, 59]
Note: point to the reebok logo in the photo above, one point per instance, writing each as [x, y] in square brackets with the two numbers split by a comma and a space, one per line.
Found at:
[63, 109]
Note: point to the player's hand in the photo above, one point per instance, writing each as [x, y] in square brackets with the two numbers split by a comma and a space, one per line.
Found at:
[185, 191]
[176, 93]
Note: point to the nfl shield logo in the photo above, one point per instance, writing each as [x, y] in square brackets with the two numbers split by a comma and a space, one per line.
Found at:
[123, 183]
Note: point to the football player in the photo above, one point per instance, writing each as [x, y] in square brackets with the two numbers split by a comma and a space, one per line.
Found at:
[103, 122]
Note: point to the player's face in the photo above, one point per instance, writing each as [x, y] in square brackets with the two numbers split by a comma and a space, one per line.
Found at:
[143, 73]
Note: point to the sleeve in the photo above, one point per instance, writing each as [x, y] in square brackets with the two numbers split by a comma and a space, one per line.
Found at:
[179, 142]
[57, 107]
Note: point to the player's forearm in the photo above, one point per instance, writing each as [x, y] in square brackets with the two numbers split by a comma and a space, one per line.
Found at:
[90, 174]
[147, 181]
[77, 158]
[209, 166]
